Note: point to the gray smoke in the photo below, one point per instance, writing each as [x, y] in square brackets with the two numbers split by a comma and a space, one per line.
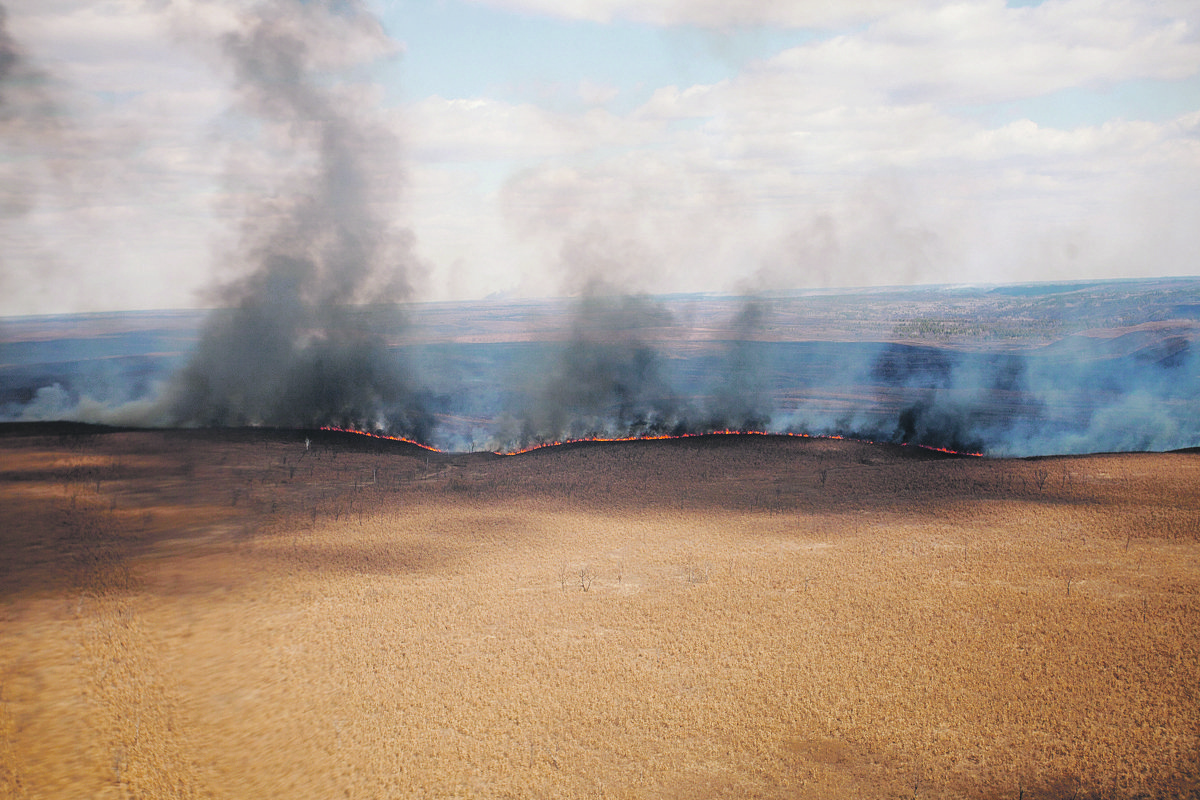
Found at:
[1080, 394]
[624, 371]
[22, 91]
[12, 64]
[298, 345]
[608, 378]
[1137, 391]
[739, 398]
[1107, 380]
[10, 56]
[29, 124]
[310, 321]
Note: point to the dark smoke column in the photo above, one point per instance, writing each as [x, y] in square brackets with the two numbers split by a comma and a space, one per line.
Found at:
[301, 340]
[608, 380]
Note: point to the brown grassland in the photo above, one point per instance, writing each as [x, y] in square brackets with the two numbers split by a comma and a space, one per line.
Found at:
[188, 614]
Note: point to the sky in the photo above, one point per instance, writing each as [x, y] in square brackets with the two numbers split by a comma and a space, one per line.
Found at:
[537, 146]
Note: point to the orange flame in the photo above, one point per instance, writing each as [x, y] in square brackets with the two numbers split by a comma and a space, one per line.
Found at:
[380, 436]
[724, 432]
[641, 438]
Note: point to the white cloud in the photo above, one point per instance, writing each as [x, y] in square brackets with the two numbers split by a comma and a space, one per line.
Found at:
[710, 13]
[964, 53]
[848, 159]
[481, 129]
[140, 171]
[597, 94]
[768, 192]
[119, 180]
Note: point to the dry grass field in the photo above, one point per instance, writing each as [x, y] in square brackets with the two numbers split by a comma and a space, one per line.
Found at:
[232, 616]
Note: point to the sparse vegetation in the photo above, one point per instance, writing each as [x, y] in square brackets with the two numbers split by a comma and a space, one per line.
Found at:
[823, 619]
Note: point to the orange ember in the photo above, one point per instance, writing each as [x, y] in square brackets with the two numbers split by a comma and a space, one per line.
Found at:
[725, 432]
[380, 436]
[642, 438]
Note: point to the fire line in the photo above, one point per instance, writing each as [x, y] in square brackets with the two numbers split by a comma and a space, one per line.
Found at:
[642, 438]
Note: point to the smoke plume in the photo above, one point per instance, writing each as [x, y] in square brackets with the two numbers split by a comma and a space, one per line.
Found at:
[628, 369]
[1079, 394]
[10, 56]
[607, 379]
[30, 127]
[309, 325]
[739, 398]
[12, 63]
[297, 345]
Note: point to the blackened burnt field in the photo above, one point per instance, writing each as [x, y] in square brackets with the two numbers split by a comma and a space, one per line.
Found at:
[198, 614]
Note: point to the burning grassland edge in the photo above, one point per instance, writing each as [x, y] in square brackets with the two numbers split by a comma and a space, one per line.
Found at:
[651, 437]
[609, 370]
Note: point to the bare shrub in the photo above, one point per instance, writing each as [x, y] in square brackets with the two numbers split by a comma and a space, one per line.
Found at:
[1040, 476]
[694, 570]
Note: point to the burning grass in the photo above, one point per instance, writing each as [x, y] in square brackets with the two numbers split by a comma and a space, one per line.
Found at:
[738, 616]
[645, 437]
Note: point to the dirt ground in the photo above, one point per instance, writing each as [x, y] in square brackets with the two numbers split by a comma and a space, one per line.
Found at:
[234, 615]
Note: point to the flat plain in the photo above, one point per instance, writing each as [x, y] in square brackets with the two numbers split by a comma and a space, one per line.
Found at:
[234, 614]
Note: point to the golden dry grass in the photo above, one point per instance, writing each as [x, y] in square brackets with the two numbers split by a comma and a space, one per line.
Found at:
[197, 616]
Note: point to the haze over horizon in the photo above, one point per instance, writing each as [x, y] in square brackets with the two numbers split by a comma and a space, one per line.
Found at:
[526, 148]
